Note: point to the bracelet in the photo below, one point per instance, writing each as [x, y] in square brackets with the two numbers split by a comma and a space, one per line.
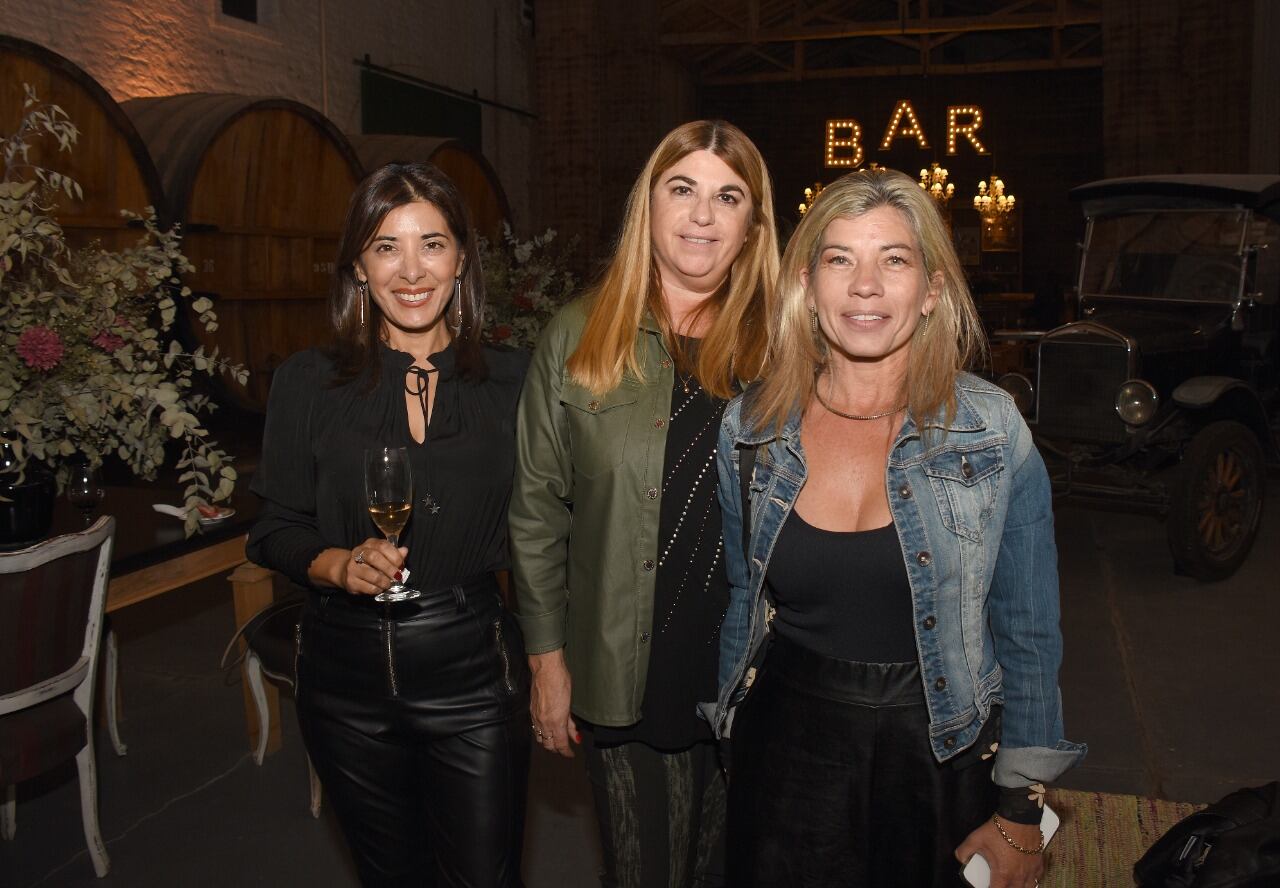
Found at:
[995, 818]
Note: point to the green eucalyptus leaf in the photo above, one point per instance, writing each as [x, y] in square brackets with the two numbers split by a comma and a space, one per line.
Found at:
[114, 384]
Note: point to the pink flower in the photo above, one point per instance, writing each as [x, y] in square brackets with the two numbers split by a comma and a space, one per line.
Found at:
[40, 347]
[107, 341]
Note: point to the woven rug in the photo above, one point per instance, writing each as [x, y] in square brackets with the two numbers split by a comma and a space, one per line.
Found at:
[1103, 835]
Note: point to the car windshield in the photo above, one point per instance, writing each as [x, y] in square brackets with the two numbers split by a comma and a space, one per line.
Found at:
[1185, 255]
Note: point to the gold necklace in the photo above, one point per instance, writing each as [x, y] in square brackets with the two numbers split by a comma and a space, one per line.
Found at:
[857, 416]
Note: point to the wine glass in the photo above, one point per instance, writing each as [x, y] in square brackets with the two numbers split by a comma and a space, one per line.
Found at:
[388, 485]
[84, 489]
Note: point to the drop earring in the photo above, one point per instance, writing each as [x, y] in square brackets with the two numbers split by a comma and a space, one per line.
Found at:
[457, 305]
[924, 328]
[813, 319]
[364, 292]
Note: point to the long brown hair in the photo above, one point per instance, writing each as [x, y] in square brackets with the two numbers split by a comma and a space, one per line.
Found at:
[736, 345]
[355, 345]
[951, 341]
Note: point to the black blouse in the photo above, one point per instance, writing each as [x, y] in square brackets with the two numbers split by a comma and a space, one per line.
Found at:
[311, 473]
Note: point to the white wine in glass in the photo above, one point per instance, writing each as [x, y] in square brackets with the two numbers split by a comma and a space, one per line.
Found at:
[388, 484]
[390, 517]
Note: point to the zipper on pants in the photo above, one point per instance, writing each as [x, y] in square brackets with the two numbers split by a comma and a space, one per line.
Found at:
[502, 654]
[388, 638]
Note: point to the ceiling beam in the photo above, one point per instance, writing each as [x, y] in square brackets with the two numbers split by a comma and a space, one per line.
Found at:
[904, 71]
[1088, 40]
[943, 25]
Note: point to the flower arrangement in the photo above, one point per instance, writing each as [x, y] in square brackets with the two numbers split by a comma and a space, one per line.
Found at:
[526, 282]
[89, 365]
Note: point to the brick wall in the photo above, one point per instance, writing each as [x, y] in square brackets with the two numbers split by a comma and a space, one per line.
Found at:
[304, 50]
[1178, 84]
[606, 96]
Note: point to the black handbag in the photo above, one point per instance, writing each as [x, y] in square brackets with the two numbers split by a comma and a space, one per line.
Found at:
[1233, 843]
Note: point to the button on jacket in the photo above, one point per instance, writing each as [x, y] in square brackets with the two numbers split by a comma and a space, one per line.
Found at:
[584, 517]
[974, 515]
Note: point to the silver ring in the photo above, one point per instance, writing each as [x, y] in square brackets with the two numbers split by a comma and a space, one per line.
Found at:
[359, 559]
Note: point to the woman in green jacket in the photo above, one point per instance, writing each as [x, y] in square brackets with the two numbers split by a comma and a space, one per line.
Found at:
[614, 522]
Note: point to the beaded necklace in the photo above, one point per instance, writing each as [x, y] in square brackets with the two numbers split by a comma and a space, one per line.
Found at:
[691, 387]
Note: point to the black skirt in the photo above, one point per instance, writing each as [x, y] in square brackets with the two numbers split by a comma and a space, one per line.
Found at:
[833, 782]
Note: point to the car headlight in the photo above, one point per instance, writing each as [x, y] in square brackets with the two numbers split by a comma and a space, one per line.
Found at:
[1020, 389]
[1136, 402]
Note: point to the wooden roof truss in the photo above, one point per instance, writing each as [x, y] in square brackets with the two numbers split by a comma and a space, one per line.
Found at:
[761, 41]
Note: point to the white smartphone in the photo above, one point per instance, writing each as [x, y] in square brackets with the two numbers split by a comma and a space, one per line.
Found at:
[977, 872]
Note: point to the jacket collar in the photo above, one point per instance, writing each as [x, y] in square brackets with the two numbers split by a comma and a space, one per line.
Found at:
[753, 436]
[966, 418]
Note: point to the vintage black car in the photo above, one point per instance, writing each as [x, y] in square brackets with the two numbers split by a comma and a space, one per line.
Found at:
[1161, 394]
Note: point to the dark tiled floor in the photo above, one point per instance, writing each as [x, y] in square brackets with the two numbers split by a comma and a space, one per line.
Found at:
[1170, 682]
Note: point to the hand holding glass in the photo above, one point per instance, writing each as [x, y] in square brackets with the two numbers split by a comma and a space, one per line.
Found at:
[388, 484]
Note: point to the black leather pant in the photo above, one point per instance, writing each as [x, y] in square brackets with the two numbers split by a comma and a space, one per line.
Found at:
[415, 716]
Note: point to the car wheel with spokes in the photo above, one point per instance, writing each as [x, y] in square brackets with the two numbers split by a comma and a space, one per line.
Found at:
[1217, 501]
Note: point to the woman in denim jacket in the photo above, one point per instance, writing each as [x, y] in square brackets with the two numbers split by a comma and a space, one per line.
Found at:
[901, 573]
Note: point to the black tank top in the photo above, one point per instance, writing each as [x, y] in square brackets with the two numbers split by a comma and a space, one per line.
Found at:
[843, 594]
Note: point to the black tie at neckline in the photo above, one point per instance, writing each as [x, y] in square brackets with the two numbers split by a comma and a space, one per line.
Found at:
[421, 386]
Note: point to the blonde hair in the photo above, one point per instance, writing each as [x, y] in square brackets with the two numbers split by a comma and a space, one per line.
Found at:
[736, 345]
[951, 340]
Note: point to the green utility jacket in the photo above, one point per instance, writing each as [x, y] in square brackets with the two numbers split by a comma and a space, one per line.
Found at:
[584, 517]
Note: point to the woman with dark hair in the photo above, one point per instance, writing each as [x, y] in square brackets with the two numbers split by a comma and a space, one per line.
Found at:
[616, 543]
[413, 712]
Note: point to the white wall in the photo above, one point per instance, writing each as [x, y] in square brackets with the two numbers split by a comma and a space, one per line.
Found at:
[304, 50]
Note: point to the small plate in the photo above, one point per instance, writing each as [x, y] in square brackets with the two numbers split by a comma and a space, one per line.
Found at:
[223, 514]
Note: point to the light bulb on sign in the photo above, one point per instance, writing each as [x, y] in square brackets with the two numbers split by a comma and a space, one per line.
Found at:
[911, 129]
[964, 120]
[852, 143]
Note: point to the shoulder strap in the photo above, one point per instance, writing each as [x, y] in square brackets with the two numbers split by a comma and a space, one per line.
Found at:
[746, 468]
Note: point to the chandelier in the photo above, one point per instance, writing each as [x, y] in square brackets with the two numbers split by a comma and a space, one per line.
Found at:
[810, 195]
[934, 182]
[992, 199]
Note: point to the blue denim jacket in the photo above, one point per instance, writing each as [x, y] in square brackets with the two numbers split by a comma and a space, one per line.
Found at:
[974, 514]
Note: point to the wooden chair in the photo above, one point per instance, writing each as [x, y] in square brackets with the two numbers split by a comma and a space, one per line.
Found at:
[52, 597]
[270, 638]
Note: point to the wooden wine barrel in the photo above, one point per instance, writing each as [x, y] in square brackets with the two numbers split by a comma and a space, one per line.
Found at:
[109, 159]
[261, 186]
[468, 168]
